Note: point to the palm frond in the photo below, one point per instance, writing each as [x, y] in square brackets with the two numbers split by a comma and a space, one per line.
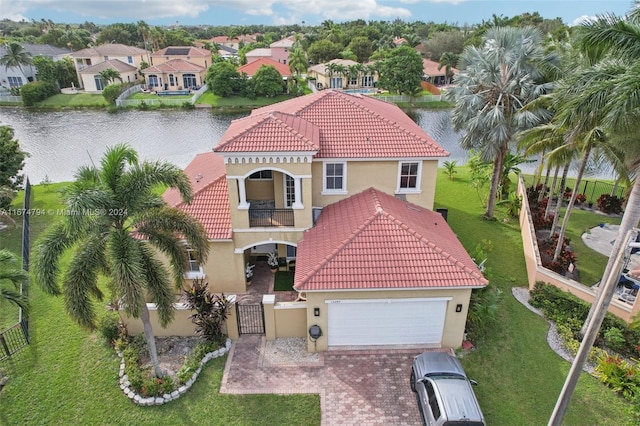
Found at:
[114, 163]
[127, 270]
[46, 262]
[158, 285]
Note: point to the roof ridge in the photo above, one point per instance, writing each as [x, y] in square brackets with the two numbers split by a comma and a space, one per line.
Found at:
[291, 129]
[207, 186]
[260, 119]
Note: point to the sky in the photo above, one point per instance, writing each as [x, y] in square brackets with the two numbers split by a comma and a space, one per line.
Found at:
[309, 12]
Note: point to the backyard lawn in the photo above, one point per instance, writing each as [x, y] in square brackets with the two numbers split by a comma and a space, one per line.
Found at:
[77, 100]
[68, 376]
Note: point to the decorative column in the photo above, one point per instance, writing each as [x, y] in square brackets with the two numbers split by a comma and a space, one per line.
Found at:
[243, 195]
[297, 188]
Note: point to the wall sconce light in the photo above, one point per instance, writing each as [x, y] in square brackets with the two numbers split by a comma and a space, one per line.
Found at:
[459, 307]
[316, 312]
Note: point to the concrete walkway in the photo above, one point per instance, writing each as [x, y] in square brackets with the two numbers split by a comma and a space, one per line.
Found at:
[363, 387]
[602, 238]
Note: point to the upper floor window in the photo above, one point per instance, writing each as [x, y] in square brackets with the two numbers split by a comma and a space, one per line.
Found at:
[335, 177]
[262, 175]
[15, 81]
[130, 59]
[106, 58]
[194, 269]
[409, 176]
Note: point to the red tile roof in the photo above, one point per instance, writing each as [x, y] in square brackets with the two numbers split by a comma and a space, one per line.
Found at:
[431, 68]
[350, 126]
[115, 64]
[210, 204]
[173, 65]
[251, 68]
[373, 240]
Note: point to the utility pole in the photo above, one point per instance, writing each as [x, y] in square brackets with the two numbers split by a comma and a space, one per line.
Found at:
[590, 336]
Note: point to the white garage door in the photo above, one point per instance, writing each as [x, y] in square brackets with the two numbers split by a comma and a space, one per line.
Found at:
[386, 321]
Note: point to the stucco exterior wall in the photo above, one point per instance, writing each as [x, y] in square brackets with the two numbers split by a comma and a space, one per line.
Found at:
[536, 272]
[89, 82]
[180, 326]
[454, 323]
[382, 175]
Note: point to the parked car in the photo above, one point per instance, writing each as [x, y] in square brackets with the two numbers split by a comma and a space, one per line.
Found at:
[443, 391]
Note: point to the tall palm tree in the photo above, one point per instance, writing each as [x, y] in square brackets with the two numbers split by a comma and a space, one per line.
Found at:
[298, 61]
[448, 60]
[115, 226]
[496, 81]
[11, 273]
[16, 56]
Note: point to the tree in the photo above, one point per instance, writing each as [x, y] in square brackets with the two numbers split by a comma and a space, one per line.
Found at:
[224, 80]
[11, 163]
[110, 75]
[444, 41]
[361, 47]
[297, 61]
[323, 51]
[401, 71]
[11, 273]
[448, 60]
[496, 81]
[268, 82]
[115, 226]
[16, 57]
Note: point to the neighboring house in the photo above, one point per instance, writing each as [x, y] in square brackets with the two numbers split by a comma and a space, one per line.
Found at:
[433, 75]
[227, 52]
[174, 75]
[338, 74]
[251, 68]
[376, 266]
[19, 76]
[277, 51]
[194, 55]
[92, 82]
[91, 56]
[236, 42]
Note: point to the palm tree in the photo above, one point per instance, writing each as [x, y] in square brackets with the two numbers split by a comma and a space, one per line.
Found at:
[115, 227]
[496, 81]
[11, 273]
[16, 56]
[110, 75]
[298, 61]
[448, 60]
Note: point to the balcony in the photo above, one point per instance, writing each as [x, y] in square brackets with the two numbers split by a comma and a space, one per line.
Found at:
[261, 217]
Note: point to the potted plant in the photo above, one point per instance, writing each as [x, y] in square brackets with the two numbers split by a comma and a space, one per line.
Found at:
[272, 260]
[248, 272]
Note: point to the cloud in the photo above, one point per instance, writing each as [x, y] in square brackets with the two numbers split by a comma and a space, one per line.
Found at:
[582, 19]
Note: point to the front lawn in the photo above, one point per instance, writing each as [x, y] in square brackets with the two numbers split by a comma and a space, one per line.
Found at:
[77, 100]
[238, 102]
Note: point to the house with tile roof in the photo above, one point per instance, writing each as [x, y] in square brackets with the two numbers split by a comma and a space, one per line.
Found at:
[95, 55]
[431, 73]
[251, 68]
[341, 187]
[177, 68]
[277, 51]
[343, 74]
[19, 76]
[92, 82]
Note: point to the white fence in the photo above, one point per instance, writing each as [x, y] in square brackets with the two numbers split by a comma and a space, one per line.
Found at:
[159, 101]
[407, 98]
[10, 99]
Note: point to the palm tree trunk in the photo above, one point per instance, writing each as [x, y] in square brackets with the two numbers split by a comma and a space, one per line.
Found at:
[563, 182]
[538, 172]
[495, 182]
[151, 340]
[572, 200]
[630, 220]
[551, 190]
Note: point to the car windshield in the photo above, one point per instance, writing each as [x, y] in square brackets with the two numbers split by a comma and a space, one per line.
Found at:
[445, 376]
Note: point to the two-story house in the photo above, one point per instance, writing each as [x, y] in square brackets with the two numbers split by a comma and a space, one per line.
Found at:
[277, 51]
[18, 76]
[343, 74]
[177, 68]
[343, 185]
[91, 61]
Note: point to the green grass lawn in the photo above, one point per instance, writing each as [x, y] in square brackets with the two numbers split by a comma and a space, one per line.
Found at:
[77, 100]
[140, 95]
[283, 281]
[238, 102]
[519, 376]
[68, 376]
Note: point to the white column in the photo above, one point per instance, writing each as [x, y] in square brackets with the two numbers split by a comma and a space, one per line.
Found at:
[243, 195]
[297, 189]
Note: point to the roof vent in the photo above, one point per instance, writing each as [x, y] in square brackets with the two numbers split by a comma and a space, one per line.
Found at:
[198, 177]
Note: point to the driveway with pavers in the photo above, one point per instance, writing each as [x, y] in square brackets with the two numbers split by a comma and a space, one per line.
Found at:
[356, 387]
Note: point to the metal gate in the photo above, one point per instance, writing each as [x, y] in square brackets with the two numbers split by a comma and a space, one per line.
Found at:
[250, 318]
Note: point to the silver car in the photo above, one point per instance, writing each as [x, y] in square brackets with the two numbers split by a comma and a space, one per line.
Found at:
[443, 391]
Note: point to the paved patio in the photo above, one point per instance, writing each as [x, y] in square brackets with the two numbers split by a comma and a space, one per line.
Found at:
[602, 238]
[356, 387]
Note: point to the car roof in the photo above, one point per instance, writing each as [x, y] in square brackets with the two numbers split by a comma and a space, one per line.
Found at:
[430, 363]
[458, 400]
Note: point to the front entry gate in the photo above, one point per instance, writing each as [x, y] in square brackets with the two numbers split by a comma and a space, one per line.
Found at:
[250, 318]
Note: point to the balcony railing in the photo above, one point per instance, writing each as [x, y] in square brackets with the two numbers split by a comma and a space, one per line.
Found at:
[270, 217]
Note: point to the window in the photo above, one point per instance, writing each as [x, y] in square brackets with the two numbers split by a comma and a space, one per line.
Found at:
[106, 58]
[99, 82]
[433, 402]
[353, 81]
[189, 80]
[335, 83]
[130, 59]
[262, 175]
[171, 80]
[15, 81]
[153, 80]
[289, 191]
[291, 251]
[335, 177]
[409, 177]
[193, 267]
[367, 81]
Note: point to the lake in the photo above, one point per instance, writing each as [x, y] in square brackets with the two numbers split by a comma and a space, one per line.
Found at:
[60, 141]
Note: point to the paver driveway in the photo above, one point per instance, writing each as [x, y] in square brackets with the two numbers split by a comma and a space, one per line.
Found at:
[363, 387]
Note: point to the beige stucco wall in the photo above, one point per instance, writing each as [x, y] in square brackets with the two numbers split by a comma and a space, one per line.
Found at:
[536, 272]
[453, 326]
[180, 326]
[89, 83]
[382, 175]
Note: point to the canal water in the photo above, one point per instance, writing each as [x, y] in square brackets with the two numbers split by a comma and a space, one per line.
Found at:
[61, 141]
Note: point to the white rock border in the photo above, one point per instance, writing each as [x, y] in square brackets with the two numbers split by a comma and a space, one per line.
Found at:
[125, 385]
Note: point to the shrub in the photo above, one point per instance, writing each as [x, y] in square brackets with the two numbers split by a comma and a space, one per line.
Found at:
[581, 198]
[188, 105]
[609, 204]
[112, 91]
[211, 311]
[109, 327]
[37, 91]
[614, 339]
[192, 362]
[620, 376]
